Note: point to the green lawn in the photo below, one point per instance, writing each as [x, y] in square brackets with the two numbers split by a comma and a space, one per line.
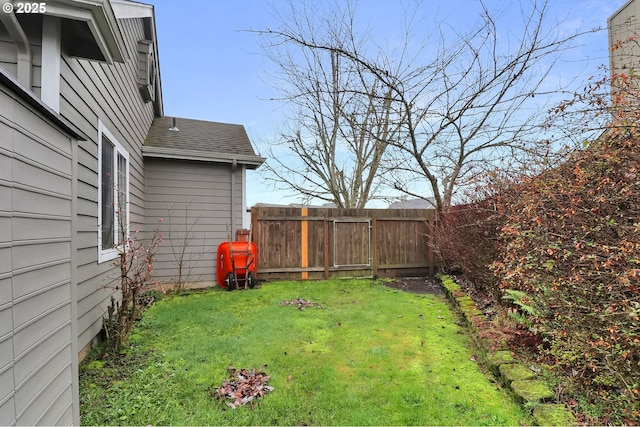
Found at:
[371, 355]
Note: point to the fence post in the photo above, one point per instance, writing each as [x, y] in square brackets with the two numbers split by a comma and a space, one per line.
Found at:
[254, 223]
[326, 247]
[304, 250]
[374, 245]
[431, 242]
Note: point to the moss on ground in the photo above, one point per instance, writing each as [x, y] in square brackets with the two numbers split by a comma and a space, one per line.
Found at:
[500, 358]
[532, 390]
[516, 371]
[520, 377]
[553, 414]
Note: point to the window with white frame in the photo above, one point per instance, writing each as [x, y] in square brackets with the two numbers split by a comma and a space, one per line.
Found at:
[113, 194]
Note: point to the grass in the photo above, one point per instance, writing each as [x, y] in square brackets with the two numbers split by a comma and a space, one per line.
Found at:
[370, 356]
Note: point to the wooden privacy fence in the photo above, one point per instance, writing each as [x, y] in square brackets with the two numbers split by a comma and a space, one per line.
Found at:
[313, 243]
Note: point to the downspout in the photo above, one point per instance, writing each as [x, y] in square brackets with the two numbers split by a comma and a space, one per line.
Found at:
[234, 167]
[18, 35]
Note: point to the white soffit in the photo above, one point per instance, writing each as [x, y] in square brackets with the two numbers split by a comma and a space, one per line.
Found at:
[101, 20]
[127, 9]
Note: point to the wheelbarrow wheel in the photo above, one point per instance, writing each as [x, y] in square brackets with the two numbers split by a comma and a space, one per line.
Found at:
[251, 280]
[231, 282]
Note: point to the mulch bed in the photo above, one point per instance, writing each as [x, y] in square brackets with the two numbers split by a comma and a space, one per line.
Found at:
[417, 285]
[519, 340]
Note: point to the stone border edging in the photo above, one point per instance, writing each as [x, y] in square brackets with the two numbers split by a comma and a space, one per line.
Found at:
[521, 380]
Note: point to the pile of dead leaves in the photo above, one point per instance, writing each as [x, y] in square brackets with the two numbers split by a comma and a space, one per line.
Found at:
[301, 303]
[242, 387]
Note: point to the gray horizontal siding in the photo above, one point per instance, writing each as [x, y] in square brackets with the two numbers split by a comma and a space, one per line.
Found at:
[9, 52]
[198, 194]
[92, 91]
[36, 338]
[621, 26]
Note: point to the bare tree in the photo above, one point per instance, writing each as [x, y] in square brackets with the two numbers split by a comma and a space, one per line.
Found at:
[458, 106]
[340, 119]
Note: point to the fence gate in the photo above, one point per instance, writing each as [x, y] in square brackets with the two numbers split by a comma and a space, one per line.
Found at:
[313, 243]
[351, 242]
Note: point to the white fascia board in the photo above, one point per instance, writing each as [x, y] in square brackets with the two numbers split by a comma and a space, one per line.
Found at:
[16, 89]
[205, 156]
[158, 102]
[619, 11]
[127, 9]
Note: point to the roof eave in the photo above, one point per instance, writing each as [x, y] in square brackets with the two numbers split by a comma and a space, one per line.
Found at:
[252, 162]
[127, 9]
[617, 12]
[28, 97]
[101, 21]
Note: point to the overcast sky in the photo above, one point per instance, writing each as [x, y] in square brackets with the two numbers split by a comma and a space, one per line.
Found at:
[213, 70]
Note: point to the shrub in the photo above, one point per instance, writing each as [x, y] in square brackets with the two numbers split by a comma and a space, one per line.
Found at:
[571, 240]
[135, 267]
[467, 236]
[466, 243]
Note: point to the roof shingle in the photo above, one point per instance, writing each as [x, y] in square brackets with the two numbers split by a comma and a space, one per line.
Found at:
[199, 136]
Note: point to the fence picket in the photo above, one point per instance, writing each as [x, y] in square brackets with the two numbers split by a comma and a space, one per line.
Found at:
[301, 243]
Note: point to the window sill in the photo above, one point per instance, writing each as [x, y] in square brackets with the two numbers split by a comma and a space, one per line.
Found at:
[107, 255]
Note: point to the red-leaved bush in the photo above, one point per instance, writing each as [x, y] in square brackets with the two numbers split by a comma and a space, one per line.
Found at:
[565, 246]
[571, 241]
[467, 242]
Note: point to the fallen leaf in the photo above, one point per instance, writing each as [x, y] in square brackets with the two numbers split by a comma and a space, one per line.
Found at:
[301, 303]
[242, 387]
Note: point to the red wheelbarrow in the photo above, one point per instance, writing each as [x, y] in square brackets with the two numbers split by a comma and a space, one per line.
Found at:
[237, 263]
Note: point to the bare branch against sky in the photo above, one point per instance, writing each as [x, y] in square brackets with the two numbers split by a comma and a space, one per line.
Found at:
[457, 102]
[214, 70]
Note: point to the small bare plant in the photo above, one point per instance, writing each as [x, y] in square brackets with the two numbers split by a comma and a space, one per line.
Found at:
[135, 267]
[181, 241]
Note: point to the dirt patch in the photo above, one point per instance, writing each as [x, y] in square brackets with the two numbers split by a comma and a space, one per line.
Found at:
[524, 341]
[417, 285]
[301, 303]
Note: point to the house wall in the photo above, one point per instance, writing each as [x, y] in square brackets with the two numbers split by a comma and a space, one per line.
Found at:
[32, 26]
[53, 290]
[196, 196]
[93, 91]
[38, 363]
[622, 25]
